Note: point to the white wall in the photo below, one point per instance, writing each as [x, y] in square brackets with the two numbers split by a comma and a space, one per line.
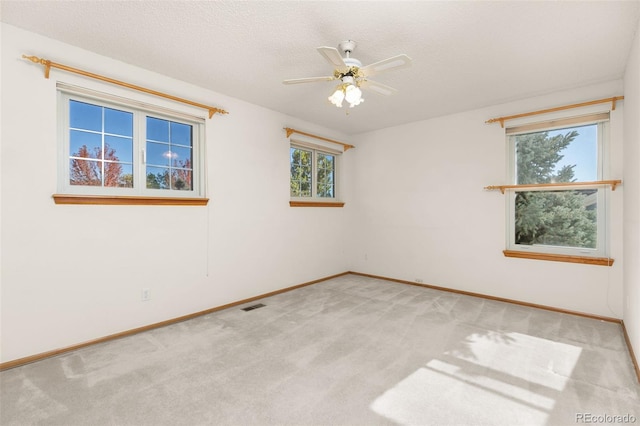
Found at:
[420, 211]
[632, 196]
[70, 274]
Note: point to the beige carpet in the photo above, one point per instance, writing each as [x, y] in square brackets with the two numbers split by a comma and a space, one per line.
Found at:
[348, 351]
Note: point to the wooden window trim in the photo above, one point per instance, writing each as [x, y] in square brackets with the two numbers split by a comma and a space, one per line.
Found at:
[316, 204]
[128, 200]
[586, 260]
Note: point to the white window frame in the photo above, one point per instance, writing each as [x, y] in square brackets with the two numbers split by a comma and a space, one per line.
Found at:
[140, 110]
[315, 149]
[602, 198]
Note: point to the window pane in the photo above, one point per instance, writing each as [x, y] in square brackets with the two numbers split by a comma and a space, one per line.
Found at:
[118, 175]
[118, 149]
[564, 155]
[556, 218]
[158, 178]
[85, 172]
[181, 180]
[118, 122]
[165, 155]
[300, 162]
[295, 189]
[157, 130]
[305, 189]
[181, 134]
[85, 116]
[158, 154]
[180, 157]
[326, 170]
[85, 144]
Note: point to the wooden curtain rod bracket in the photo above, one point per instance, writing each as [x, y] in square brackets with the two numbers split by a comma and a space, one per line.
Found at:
[494, 120]
[44, 62]
[501, 120]
[290, 131]
[49, 64]
[613, 183]
[216, 110]
[494, 187]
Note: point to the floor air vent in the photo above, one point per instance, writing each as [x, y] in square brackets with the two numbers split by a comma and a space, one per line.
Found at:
[252, 307]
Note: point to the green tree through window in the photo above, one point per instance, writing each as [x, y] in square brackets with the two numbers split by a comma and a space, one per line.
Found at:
[564, 218]
[326, 172]
[301, 164]
[312, 173]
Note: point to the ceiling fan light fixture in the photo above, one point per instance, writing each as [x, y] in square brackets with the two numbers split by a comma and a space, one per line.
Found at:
[337, 97]
[352, 75]
[347, 91]
[353, 95]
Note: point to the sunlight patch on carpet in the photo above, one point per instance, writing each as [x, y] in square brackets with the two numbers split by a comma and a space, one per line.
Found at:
[508, 376]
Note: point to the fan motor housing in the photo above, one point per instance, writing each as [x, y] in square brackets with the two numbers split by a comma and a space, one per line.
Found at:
[352, 62]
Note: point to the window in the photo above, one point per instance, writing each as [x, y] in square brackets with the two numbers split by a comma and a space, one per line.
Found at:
[314, 169]
[313, 173]
[121, 149]
[558, 219]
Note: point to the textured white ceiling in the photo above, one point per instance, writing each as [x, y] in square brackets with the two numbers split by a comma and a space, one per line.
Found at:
[465, 54]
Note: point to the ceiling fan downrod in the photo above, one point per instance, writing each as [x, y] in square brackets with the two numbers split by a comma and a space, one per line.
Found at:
[353, 64]
[347, 47]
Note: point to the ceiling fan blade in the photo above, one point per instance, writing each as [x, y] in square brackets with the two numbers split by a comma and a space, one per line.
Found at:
[393, 63]
[379, 88]
[308, 80]
[332, 55]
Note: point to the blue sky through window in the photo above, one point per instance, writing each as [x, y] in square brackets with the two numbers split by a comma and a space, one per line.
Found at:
[582, 151]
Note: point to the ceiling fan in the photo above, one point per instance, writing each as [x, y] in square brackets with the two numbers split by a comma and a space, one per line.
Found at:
[353, 75]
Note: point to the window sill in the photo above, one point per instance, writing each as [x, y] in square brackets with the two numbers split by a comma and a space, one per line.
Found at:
[127, 200]
[601, 261]
[316, 204]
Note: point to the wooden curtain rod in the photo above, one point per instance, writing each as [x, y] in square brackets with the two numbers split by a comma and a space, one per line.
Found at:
[501, 120]
[613, 184]
[49, 64]
[290, 131]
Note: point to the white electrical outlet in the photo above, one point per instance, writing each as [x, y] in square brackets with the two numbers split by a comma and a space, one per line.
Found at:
[146, 294]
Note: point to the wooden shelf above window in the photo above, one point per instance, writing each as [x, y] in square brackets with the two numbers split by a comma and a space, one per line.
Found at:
[501, 120]
[565, 185]
[290, 131]
[127, 200]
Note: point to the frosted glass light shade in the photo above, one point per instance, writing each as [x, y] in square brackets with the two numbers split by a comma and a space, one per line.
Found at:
[353, 95]
[337, 97]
